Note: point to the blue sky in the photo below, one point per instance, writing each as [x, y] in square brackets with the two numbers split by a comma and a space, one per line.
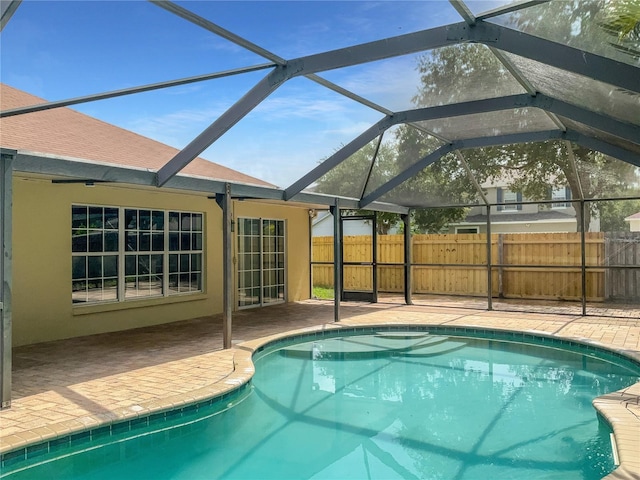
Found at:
[59, 50]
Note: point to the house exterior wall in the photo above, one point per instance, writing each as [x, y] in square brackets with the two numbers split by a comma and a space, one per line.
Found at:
[499, 225]
[634, 224]
[531, 227]
[42, 286]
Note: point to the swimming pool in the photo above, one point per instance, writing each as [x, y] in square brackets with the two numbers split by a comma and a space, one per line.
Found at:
[379, 404]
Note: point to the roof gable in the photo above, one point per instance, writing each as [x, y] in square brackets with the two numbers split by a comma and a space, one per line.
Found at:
[68, 133]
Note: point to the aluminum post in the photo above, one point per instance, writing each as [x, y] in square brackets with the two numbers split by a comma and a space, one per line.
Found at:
[337, 259]
[406, 220]
[583, 257]
[225, 202]
[489, 262]
[6, 199]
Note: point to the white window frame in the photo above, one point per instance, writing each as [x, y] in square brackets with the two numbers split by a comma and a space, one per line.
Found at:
[559, 194]
[123, 278]
[509, 201]
[278, 272]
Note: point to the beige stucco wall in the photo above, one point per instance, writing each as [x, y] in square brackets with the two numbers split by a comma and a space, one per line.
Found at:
[41, 290]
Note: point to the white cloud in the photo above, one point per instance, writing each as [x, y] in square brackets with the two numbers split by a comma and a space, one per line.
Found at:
[390, 83]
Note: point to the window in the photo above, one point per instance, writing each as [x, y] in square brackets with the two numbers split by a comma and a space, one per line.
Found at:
[466, 229]
[562, 193]
[95, 235]
[507, 197]
[261, 262]
[124, 253]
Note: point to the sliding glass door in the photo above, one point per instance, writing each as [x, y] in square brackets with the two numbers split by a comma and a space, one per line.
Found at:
[261, 262]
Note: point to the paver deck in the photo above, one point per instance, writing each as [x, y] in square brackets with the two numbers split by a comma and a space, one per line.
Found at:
[71, 385]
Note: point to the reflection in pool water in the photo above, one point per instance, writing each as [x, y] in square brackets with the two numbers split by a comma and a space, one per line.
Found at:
[387, 405]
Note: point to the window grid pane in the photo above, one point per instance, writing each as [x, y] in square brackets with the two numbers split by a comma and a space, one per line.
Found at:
[261, 265]
[95, 278]
[147, 241]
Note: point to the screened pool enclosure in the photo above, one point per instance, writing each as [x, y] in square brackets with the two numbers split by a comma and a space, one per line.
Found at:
[455, 116]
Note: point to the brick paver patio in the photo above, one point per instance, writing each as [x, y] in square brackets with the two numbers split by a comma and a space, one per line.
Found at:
[71, 385]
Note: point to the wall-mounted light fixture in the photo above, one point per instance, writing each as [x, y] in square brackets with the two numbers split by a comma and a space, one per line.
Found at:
[88, 182]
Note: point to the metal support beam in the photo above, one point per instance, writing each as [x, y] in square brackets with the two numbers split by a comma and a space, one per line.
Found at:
[574, 167]
[511, 7]
[225, 202]
[228, 119]
[604, 147]
[554, 54]
[489, 262]
[549, 104]
[128, 91]
[583, 258]
[472, 177]
[589, 118]
[8, 7]
[337, 259]
[406, 174]
[406, 221]
[334, 160]
[463, 11]
[371, 167]
[460, 144]
[217, 29]
[589, 142]
[6, 204]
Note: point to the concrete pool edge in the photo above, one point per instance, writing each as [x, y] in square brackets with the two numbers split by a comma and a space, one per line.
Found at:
[613, 406]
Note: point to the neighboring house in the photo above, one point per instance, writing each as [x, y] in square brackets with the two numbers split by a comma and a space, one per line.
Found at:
[118, 256]
[322, 226]
[512, 217]
[634, 222]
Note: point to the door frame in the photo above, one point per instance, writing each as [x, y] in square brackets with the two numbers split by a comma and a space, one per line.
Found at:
[361, 295]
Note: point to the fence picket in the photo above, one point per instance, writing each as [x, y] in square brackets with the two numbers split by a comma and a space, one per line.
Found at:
[458, 264]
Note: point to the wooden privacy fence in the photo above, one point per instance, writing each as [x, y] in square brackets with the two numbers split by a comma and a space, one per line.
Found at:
[622, 249]
[527, 265]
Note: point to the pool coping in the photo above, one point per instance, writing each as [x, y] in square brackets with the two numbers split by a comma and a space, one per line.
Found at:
[614, 407]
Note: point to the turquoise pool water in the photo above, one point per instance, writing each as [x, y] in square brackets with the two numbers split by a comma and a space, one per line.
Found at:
[387, 405]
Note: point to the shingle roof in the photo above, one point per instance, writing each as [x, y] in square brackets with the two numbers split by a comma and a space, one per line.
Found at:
[521, 217]
[68, 133]
[635, 216]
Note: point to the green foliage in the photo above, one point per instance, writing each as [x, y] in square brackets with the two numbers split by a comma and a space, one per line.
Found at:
[622, 20]
[448, 74]
[459, 73]
[348, 179]
[323, 293]
[613, 213]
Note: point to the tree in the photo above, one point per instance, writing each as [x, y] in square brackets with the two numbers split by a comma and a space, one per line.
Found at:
[605, 27]
[471, 71]
[613, 213]
[622, 20]
[449, 74]
[348, 179]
